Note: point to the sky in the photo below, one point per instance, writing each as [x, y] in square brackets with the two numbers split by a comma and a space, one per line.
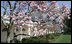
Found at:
[68, 3]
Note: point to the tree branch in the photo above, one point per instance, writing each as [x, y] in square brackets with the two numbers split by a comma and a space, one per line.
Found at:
[15, 5]
[9, 4]
[5, 10]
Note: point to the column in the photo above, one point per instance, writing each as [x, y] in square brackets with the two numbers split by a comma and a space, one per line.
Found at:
[21, 33]
[29, 29]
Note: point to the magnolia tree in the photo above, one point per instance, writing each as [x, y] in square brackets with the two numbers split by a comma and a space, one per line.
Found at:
[37, 11]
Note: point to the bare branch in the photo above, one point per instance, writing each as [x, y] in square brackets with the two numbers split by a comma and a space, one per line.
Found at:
[15, 5]
[18, 9]
[10, 4]
[5, 10]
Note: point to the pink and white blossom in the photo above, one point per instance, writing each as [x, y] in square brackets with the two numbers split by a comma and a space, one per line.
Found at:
[20, 14]
[29, 18]
[69, 18]
[21, 21]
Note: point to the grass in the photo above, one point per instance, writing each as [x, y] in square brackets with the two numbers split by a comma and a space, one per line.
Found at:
[51, 38]
[41, 39]
[63, 39]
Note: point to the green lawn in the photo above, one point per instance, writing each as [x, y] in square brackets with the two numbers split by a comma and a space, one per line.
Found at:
[63, 39]
[50, 38]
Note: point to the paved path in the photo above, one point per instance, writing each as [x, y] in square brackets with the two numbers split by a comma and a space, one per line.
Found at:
[3, 36]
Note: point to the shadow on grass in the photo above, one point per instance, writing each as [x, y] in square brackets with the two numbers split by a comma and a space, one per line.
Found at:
[39, 39]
